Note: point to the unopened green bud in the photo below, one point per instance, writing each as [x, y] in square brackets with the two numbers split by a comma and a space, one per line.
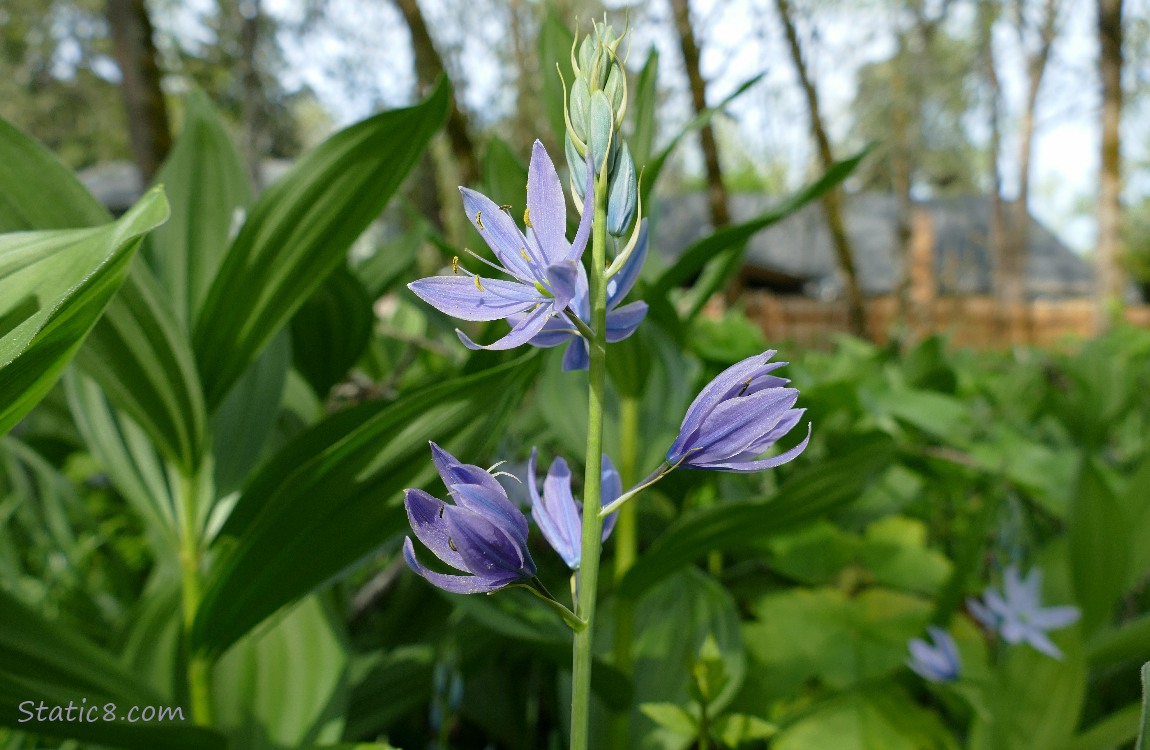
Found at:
[580, 108]
[616, 90]
[623, 193]
[600, 129]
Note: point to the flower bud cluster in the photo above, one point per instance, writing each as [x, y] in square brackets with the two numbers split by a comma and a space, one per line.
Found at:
[594, 113]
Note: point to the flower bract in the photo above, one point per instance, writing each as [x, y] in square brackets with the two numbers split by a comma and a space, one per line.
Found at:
[481, 534]
[938, 662]
[621, 321]
[1017, 614]
[557, 513]
[737, 417]
[542, 264]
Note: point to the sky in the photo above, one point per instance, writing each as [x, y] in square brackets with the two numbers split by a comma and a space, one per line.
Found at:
[741, 38]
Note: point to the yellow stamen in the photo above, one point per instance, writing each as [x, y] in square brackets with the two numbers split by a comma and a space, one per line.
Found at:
[523, 254]
[477, 284]
[479, 219]
[505, 207]
[451, 544]
[455, 264]
[527, 217]
[746, 385]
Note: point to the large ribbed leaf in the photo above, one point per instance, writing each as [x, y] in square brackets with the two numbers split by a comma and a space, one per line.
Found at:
[334, 495]
[206, 186]
[54, 285]
[299, 230]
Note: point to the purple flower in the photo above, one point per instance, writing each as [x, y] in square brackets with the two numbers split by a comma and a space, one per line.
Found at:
[937, 663]
[621, 322]
[1017, 613]
[482, 534]
[544, 266]
[559, 516]
[737, 417]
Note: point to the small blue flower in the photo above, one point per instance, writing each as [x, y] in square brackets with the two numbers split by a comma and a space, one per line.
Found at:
[937, 663]
[544, 266]
[737, 417]
[621, 322]
[559, 516]
[482, 534]
[1017, 613]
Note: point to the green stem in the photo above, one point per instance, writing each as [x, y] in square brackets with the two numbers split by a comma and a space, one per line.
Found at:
[199, 667]
[626, 549]
[592, 500]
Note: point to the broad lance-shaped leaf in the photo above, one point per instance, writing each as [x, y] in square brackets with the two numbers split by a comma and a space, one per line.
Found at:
[333, 495]
[299, 230]
[207, 184]
[53, 287]
[136, 352]
[41, 661]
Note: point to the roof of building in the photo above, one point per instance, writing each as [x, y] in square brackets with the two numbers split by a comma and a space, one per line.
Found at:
[799, 247]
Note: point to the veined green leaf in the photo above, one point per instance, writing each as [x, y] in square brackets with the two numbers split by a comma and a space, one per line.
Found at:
[299, 230]
[41, 662]
[140, 356]
[37, 191]
[206, 185]
[644, 105]
[334, 495]
[331, 331]
[54, 285]
[1099, 556]
[805, 496]
[1144, 727]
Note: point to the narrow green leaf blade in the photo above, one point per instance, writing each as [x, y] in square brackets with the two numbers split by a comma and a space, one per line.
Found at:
[1098, 557]
[54, 285]
[299, 230]
[645, 105]
[333, 495]
[1144, 729]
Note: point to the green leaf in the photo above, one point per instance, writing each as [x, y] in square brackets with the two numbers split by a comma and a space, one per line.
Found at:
[391, 261]
[333, 495]
[1113, 646]
[29, 174]
[1144, 728]
[735, 729]
[665, 647]
[207, 186]
[1099, 557]
[1034, 700]
[1114, 730]
[731, 239]
[141, 357]
[331, 331]
[802, 498]
[803, 634]
[555, 42]
[671, 717]
[40, 661]
[265, 701]
[644, 105]
[54, 285]
[884, 718]
[299, 230]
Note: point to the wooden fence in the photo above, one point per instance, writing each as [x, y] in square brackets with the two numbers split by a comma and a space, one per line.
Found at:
[978, 322]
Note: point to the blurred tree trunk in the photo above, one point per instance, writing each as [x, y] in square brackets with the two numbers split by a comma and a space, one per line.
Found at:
[1109, 275]
[997, 231]
[428, 67]
[717, 191]
[135, 52]
[832, 200]
[1017, 248]
[253, 95]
